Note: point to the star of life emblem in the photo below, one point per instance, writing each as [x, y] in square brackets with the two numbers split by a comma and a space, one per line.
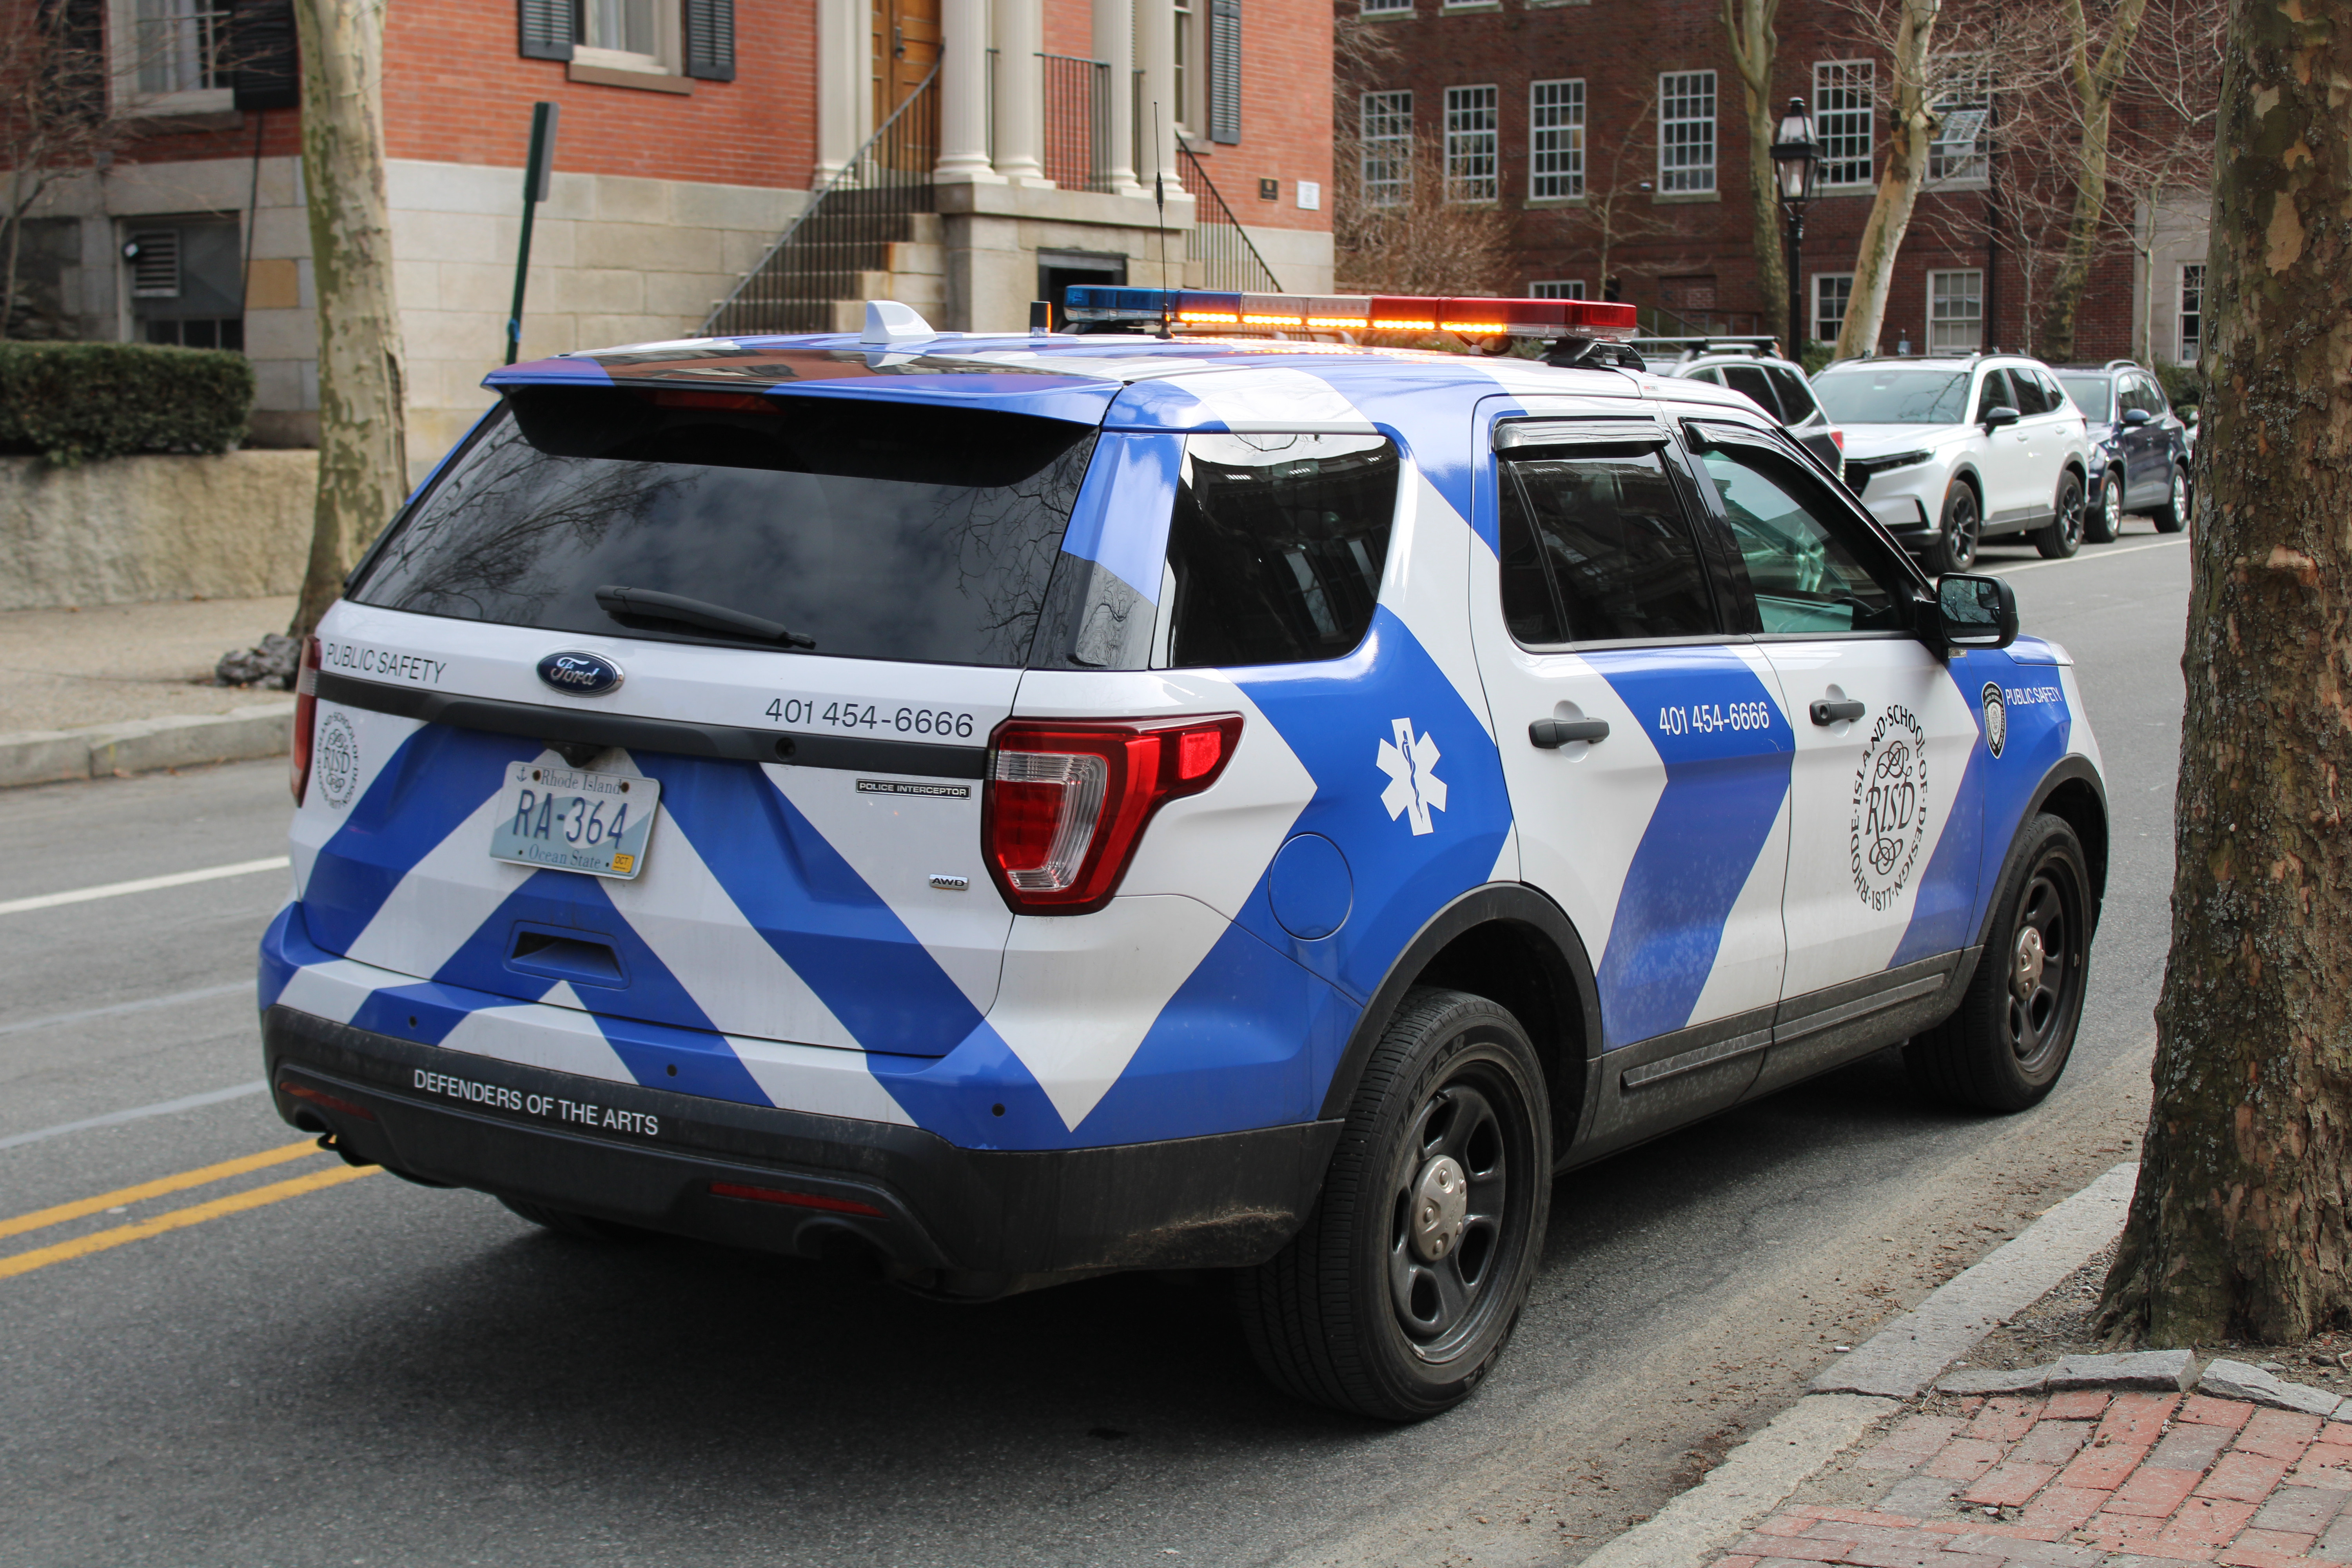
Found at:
[1414, 785]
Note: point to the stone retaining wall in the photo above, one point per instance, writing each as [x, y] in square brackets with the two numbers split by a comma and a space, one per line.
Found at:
[130, 530]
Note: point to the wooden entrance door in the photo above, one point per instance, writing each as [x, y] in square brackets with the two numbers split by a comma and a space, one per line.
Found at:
[906, 47]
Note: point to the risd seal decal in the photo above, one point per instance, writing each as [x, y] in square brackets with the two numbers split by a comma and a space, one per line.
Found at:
[1890, 807]
[1996, 712]
[335, 760]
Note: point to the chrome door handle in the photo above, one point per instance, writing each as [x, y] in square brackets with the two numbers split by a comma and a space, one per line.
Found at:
[1825, 711]
[1553, 733]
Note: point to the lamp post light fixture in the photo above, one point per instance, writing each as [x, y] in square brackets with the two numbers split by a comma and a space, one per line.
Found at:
[1795, 164]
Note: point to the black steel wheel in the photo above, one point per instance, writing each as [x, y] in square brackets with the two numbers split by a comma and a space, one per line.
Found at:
[2105, 523]
[1956, 551]
[1401, 1291]
[2064, 534]
[2173, 515]
[2005, 1046]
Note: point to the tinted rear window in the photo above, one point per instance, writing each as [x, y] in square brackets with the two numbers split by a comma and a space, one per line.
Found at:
[882, 530]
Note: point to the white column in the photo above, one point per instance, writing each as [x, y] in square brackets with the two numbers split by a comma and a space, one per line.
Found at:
[1114, 44]
[1155, 44]
[963, 93]
[843, 38]
[1021, 91]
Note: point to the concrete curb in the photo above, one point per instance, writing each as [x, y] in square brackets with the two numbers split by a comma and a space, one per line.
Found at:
[1886, 1370]
[45, 756]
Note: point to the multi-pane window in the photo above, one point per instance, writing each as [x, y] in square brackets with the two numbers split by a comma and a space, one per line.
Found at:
[1833, 292]
[1555, 139]
[1385, 130]
[177, 47]
[2193, 311]
[1183, 73]
[1955, 311]
[1963, 121]
[1686, 130]
[1471, 152]
[1842, 119]
[1557, 289]
[1371, 6]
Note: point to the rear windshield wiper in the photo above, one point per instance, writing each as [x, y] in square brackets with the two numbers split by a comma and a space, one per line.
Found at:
[646, 604]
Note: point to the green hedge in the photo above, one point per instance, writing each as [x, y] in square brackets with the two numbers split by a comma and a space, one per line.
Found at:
[72, 402]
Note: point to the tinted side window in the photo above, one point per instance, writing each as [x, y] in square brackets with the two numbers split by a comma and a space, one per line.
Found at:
[1995, 392]
[1806, 578]
[2029, 398]
[1749, 379]
[1613, 546]
[1276, 546]
[1796, 398]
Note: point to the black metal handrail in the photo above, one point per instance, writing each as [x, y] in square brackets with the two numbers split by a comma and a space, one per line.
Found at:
[1077, 122]
[846, 230]
[1218, 242]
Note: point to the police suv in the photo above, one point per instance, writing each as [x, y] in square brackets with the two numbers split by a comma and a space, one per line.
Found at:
[1016, 808]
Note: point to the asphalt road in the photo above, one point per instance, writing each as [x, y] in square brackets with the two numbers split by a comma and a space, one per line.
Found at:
[273, 1365]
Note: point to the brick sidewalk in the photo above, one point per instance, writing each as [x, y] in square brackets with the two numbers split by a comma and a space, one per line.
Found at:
[2084, 1480]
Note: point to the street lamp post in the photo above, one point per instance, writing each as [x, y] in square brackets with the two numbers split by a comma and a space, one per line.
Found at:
[1796, 163]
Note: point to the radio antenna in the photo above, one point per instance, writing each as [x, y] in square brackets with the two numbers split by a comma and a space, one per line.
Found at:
[1159, 198]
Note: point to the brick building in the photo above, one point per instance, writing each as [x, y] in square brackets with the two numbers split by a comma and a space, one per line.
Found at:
[1628, 115]
[692, 134]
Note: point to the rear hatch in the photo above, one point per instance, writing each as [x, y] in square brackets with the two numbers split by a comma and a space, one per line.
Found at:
[625, 583]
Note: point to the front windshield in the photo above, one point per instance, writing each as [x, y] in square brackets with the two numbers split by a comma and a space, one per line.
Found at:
[2094, 394]
[1893, 397]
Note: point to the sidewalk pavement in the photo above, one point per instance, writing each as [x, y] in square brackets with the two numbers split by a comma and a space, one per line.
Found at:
[125, 687]
[2085, 1478]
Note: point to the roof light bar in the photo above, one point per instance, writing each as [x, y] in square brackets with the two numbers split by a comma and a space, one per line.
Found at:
[1206, 310]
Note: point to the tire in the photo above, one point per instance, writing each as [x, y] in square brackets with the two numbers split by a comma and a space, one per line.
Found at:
[1956, 549]
[2064, 534]
[2006, 1044]
[1371, 1309]
[2104, 522]
[579, 1226]
[2173, 515]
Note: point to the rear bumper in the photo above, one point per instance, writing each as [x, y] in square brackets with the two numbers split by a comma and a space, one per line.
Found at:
[959, 1221]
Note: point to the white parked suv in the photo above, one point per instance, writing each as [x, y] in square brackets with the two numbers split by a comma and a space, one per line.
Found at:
[1952, 451]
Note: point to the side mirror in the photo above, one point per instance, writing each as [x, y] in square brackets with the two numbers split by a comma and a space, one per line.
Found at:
[1976, 612]
[2136, 416]
[1999, 416]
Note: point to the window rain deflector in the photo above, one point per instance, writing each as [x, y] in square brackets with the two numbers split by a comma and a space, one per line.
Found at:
[1603, 430]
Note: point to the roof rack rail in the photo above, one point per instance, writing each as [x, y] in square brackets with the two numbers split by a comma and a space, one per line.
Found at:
[2121, 364]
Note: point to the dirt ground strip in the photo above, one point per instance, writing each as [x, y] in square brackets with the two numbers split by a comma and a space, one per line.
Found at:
[105, 664]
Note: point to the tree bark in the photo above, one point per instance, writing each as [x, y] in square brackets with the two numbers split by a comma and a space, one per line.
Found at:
[1748, 28]
[1899, 187]
[2242, 1225]
[2094, 100]
[363, 436]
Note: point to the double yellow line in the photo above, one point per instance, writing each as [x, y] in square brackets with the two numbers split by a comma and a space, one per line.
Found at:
[171, 1219]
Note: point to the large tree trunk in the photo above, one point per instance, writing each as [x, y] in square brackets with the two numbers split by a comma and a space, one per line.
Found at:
[362, 438]
[1755, 50]
[2242, 1222]
[2094, 95]
[1899, 187]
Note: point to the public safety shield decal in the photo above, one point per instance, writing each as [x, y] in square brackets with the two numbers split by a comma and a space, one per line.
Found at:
[1996, 719]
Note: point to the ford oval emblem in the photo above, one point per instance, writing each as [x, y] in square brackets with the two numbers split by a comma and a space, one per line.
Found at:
[581, 674]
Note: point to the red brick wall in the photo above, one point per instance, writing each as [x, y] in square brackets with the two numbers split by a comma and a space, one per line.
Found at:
[1617, 47]
[1285, 114]
[456, 93]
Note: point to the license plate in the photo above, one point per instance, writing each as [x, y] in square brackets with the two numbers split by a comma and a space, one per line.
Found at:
[567, 820]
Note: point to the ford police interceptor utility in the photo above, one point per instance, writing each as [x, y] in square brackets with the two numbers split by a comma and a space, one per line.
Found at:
[1021, 808]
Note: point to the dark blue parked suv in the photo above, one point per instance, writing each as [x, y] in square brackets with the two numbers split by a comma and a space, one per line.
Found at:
[2139, 447]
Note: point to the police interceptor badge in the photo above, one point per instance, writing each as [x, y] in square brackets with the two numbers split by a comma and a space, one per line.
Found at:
[1996, 718]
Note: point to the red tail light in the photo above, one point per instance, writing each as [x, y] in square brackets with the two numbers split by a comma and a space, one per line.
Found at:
[1838, 436]
[1065, 804]
[306, 718]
